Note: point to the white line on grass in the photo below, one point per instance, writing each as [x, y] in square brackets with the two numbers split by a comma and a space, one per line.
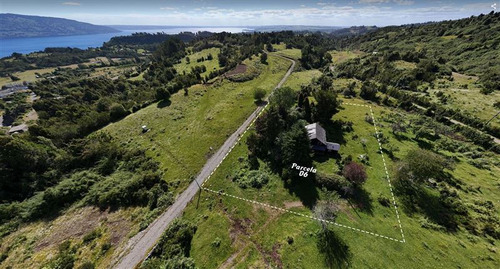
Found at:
[300, 214]
[387, 175]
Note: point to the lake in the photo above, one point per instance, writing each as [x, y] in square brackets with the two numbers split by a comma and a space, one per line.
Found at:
[32, 44]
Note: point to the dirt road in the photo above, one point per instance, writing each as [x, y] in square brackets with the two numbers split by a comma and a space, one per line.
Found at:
[141, 244]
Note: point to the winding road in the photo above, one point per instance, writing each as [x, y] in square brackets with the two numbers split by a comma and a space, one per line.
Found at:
[139, 246]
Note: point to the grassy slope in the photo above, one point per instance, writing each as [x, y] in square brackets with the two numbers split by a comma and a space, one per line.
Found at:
[267, 230]
[180, 137]
[301, 78]
[465, 94]
[182, 133]
[28, 76]
[342, 56]
[210, 65]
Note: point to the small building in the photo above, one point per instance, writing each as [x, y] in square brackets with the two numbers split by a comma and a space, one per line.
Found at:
[317, 135]
[18, 129]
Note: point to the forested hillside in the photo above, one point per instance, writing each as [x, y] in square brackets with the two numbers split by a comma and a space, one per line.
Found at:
[15, 25]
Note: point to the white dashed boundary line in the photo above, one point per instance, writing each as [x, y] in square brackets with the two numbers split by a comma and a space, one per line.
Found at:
[307, 216]
[387, 176]
[303, 215]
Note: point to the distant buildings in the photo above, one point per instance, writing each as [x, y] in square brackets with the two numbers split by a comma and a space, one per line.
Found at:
[317, 135]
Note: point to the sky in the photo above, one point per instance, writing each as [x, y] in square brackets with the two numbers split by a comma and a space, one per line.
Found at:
[250, 13]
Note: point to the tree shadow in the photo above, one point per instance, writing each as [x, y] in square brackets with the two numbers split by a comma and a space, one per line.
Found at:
[422, 200]
[336, 252]
[321, 157]
[164, 103]
[362, 199]
[433, 207]
[390, 154]
[334, 132]
[304, 188]
[261, 102]
[424, 144]
[401, 137]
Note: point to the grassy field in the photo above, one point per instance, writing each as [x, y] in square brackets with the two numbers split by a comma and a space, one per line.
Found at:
[256, 236]
[28, 76]
[342, 56]
[209, 64]
[298, 79]
[180, 139]
[186, 132]
[291, 53]
[464, 94]
[181, 136]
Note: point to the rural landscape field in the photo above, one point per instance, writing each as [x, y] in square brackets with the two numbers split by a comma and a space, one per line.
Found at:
[304, 141]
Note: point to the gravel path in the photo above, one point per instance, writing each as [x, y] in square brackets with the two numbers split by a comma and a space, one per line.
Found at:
[141, 244]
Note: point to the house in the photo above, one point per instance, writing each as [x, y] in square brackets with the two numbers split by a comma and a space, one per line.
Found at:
[317, 135]
[18, 129]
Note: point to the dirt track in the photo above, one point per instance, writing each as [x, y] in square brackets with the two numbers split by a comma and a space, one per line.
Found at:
[141, 244]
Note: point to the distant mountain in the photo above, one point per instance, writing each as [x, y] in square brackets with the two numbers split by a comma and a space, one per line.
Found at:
[15, 25]
[295, 28]
[354, 30]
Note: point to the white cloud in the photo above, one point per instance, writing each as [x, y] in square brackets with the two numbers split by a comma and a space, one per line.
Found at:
[328, 15]
[404, 2]
[373, 1]
[168, 8]
[71, 3]
[399, 2]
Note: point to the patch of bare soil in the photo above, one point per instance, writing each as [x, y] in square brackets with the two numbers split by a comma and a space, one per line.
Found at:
[119, 228]
[240, 69]
[346, 208]
[73, 225]
[293, 204]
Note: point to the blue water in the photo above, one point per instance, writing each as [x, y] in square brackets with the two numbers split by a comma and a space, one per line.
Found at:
[32, 44]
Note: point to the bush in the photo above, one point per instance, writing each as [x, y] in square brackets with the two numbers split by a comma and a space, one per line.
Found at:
[254, 178]
[355, 173]
[421, 165]
[258, 94]
[162, 94]
[117, 112]
[334, 182]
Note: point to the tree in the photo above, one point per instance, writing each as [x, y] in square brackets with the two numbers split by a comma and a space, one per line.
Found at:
[269, 47]
[188, 60]
[335, 251]
[326, 105]
[420, 165]
[355, 173]
[117, 111]
[258, 94]
[162, 94]
[283, 98]
[294, 145]
[263, 58]
[368, 91]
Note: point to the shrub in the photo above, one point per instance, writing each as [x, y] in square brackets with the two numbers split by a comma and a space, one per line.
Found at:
[384, 201]
[162, 94]
[258, 94]
[254, 178]
[117, 112]
[355, 173]
[334, 182]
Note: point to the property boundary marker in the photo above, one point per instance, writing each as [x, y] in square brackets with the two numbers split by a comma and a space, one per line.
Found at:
[403, 240]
